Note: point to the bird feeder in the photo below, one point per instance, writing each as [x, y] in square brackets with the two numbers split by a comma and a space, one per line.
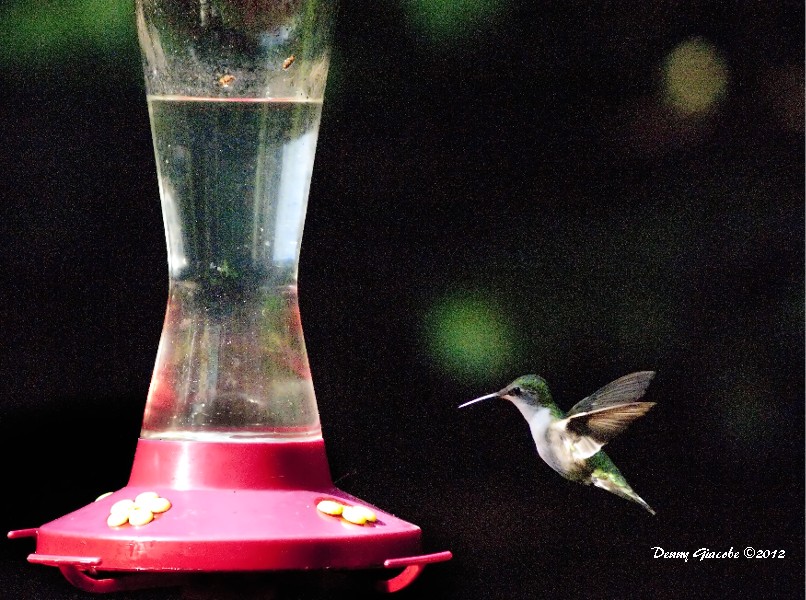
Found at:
[230, 472]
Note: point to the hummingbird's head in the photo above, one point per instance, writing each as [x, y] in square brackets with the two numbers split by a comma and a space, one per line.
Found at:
[528, 390]
[531, 390]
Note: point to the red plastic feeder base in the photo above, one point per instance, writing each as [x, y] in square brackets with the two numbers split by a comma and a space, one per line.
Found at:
[234, 507]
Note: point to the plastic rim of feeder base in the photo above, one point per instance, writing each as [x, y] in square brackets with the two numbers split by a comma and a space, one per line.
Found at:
[234, 507]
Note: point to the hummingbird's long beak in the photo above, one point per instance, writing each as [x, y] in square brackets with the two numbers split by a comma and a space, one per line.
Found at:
[487, 397]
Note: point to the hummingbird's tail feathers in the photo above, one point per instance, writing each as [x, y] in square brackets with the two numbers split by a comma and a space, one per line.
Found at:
[616, 484]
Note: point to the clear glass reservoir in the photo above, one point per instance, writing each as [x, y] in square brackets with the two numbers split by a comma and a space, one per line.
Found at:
[235, 93]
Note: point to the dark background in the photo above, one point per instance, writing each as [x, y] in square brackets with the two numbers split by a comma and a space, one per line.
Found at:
[508, 171]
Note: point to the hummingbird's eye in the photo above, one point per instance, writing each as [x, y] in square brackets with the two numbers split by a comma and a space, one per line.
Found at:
[515, 391]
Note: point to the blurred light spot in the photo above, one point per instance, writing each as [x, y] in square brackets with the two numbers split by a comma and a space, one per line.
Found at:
[695, 77]
[34, 34]
[444, 20]
[469, 337]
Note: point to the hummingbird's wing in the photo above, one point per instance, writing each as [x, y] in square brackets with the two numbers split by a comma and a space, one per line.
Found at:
[621, 391]
[600, 417]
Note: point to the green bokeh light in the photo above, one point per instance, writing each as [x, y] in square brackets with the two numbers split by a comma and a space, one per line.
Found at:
[36, 34]
[469, 337]
[445, 20]
[695, 77]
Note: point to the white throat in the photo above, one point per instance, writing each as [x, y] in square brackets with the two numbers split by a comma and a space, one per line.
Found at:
[540, 419]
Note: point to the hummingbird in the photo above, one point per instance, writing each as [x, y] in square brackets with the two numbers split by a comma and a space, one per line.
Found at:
[570, 443]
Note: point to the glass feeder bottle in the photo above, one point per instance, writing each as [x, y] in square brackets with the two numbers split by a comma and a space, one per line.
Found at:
[234, 157]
